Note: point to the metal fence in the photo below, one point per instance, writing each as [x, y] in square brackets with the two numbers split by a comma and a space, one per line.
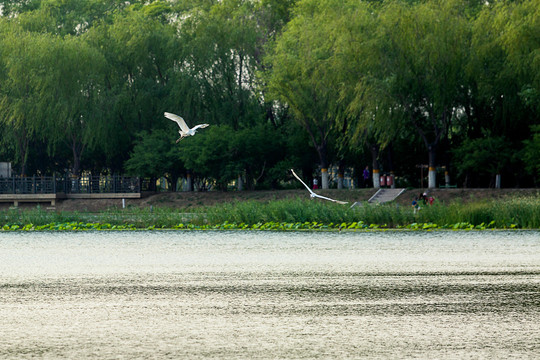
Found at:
[69, 185]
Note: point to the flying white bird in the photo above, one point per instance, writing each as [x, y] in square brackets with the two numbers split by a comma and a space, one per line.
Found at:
[184, 129]
[312, 194]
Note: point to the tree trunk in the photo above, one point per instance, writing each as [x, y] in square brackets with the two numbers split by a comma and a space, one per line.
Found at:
[77, 150]
[321, 151]
[390, 180]
[23, 153]
[341, 173]
[323, 157]
[431, 146]
[240, 183]
[23, 141]
[76, 163]
[189, 182]
[174, 183]
[375, 164]
[324, 178]
[432, 177]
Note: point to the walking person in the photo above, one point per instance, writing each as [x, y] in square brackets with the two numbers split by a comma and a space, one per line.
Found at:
[366, 176]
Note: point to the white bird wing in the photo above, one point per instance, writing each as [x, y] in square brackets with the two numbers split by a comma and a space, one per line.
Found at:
[177, 119]
[307, 187]
[314, 194]
[327, 198]
[200, 126]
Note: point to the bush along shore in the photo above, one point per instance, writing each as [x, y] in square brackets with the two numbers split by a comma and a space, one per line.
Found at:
[516, 213]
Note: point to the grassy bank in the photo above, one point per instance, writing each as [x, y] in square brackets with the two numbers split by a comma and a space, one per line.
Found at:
[517, 212]
[295, 214]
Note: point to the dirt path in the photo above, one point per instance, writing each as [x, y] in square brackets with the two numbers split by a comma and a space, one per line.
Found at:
[186, 200]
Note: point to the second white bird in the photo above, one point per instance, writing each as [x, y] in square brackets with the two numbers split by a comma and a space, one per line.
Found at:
[313, 194]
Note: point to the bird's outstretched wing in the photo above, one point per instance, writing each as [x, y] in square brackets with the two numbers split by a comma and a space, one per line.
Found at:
[307, 187]
[200, 126]
[177, 119]
[313, 194]
[327, 198]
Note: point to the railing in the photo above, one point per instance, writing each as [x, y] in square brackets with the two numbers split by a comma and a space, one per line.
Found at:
[148, 184]
[102, 184]
[69, 185]
[28, 185]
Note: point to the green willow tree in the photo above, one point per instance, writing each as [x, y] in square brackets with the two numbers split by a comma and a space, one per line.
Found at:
[82, 79]
[504, 69]
[302, 76]
[68, 93]
[140, 50]
[221, 46]
[75, 80]
[216, 74]
[363, 122]
[423, 50]
[485, 156]
[520, 40]
[24, 60]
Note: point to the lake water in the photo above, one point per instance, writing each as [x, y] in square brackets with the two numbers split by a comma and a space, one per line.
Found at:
[174, 294]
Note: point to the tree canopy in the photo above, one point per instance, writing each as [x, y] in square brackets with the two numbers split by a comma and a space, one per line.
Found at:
[307, 84]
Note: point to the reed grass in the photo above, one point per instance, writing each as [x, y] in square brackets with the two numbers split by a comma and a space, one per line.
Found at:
[140, 218]
[521, 213]
[517, 212]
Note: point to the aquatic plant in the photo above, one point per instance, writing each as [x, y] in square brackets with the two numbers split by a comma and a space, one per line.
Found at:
[295, 214]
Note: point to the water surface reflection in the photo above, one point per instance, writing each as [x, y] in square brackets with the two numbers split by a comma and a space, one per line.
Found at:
[270, 295]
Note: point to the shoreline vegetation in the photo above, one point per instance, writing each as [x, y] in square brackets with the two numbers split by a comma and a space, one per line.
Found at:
[289, 214]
